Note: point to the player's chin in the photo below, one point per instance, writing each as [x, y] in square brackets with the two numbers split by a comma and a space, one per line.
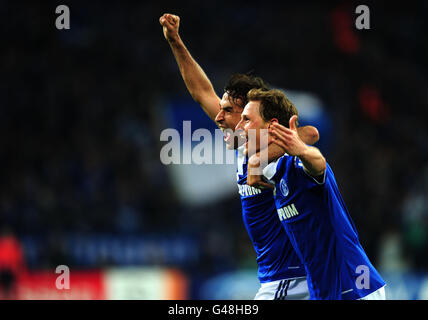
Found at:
[246, 150]
[230, 145]
[235, 142]
[253, 150]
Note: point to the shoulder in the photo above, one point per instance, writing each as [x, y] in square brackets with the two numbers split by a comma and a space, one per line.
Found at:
[274, 169]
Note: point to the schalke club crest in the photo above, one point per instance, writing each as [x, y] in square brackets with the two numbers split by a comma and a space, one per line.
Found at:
[283, 187]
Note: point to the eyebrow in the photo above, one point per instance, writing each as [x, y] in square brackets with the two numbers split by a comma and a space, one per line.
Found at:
[226, 108]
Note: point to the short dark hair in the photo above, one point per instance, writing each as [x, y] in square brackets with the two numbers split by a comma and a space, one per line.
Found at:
[240, 84]
[273, 104]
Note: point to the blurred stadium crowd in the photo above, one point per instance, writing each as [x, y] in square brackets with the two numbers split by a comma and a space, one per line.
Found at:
[80, 118]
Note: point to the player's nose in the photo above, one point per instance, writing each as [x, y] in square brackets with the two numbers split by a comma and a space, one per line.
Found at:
[220, 116]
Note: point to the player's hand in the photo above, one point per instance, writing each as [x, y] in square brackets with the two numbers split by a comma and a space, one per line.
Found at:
[170, 24]
[257, 182]
[288, 138]
[255, 173]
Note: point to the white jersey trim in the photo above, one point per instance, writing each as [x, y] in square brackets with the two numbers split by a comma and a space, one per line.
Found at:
[270, 170]
[313, 178]
[240, 160]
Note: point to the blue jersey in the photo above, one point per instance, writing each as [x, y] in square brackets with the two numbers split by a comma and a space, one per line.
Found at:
[276, 257]
[322, 232]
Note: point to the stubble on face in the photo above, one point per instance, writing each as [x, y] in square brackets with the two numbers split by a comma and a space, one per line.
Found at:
[227, 119]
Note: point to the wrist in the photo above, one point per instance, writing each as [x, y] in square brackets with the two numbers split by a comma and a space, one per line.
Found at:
[303, 152]
[174, 40]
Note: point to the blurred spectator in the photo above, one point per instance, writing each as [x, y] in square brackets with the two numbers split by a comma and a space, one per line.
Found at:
[11, 264]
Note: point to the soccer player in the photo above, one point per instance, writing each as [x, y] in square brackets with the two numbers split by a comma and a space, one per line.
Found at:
[310, 205]
[281, 274]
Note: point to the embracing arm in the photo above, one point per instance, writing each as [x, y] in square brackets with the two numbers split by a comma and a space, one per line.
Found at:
[308, 134]
[256, 166]
[194, 77]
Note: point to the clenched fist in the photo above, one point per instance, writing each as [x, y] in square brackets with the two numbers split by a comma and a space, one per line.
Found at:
[170, 24]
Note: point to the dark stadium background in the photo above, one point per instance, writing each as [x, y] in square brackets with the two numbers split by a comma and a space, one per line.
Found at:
[81, 114]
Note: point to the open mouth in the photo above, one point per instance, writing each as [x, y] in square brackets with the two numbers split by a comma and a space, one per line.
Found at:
[227, 135]
[242, 138]
[233, 138]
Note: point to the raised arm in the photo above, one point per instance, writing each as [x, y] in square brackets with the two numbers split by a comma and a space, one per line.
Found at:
[194, 77]
[287, 138]
[308, 134]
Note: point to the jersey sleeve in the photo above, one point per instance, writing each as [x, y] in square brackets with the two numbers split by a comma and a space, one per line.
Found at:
[315, 181]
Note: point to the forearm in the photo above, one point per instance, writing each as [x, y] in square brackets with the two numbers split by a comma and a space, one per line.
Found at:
[308, 134]
[195, 79]
[256, 166]
[313, 161]
[263, 157]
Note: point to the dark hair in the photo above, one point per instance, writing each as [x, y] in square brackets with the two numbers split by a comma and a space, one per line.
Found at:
[240, 84]
[273, 104]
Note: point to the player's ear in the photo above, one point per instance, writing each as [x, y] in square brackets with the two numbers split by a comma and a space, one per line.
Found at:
[272, 121]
